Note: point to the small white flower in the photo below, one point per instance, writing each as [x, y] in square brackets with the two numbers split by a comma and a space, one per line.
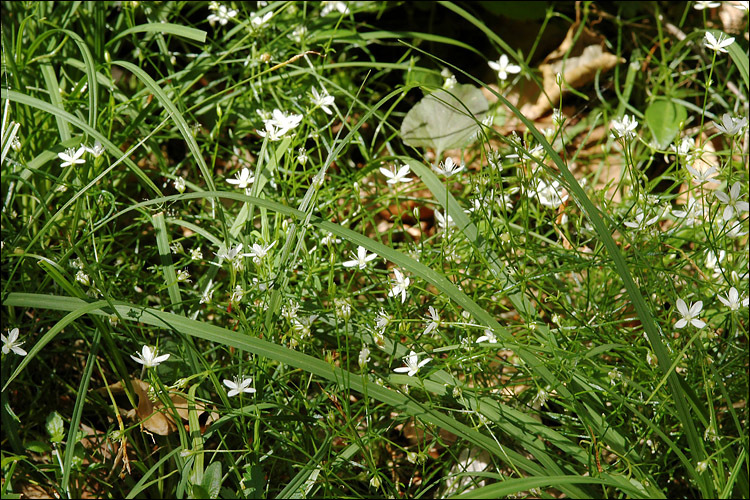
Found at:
[701, 467]
[394, 177]
[258, 22]
[503, 67]
[541, 397]
[183, 276]
[733, 300]
[689, 314]
[299, 33]
[343, 308]
[700, 5]
[488, 336]
[239, 386]
[693, 213]
[444, 222]
[640, 221]
[179, 184]
[97, 150]
[730, 125]
[719, 45]
[289, 310]
[302, 155]
[322, 100]
[259, 252]
[701, 176]
[412, 364]
[222, 14]
[712, 260]
[283, 121]
[400, 284]
[548, 194]
[329, 7]
[11, 343]
[434, 321]
[82, 277]
[329, 239]
[207, 295]
[72, 157]
[364, 357]
[732, 201]
[382, 319]
[243, 180]
[274, 134]
[196, 254]
[237, 295]
[449, 167]
[624, 127]
[230, 255]
[361, 259]
[149, 358]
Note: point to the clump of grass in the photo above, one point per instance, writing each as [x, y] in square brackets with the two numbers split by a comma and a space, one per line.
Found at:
[229, 272]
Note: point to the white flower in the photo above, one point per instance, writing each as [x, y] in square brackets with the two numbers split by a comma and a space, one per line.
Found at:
[299, 33]
[274, 133]
[382, 319]
[624, 128]
[72, 157]
[412, 364]
[244, 178]
[712, 260]
[449, 167]
[488, 336]
[11, 343]
[394, 177]
[258, 22]
[97, 149]
[549, 194]
[443, 222]
[719, 45]
[179, 184]
[700, 5]
[230, 254]
[400, 284]
[239, 386]
[434, 321]
[222, 14]
[183, 276]
[149, 358]
[693, 213]
[196, 254]
[701, 176]
[689, 315]
[302, 155]
[541, 397]
[733, 300]
[364, 357]
[237, 295]
[207, 295]
[322, 100]
[732, 201]
[361, 259]
[730, 125]
[284, 122]
[503, 67]
[289, 310]
[82, 277]
[259, 251]
[343, 308]
[640, 221]
[329, 7]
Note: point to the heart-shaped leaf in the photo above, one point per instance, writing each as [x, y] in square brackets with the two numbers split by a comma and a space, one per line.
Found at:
[445, 119]
[664, 119]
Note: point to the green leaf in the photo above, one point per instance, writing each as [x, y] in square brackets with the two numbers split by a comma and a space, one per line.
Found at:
[254, 481]
[445, 119]
[664, 118]
[212, 479]
[55, 427]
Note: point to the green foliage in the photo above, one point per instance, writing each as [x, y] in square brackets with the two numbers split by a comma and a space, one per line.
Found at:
[563, 313]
